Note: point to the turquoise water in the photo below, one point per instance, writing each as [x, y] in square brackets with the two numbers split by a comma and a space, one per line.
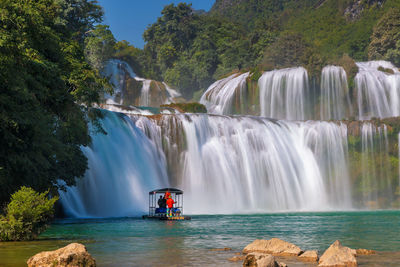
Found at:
[135, 242]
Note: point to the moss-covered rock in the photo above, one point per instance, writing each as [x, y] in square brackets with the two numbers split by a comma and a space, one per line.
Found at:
[192, 107]
[386, 70]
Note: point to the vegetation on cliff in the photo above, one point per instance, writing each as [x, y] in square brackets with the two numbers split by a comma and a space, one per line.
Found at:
[192, 107]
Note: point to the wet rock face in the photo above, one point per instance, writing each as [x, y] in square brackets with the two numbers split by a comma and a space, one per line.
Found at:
[274, 246]
[337, 255]
[256, 259]
[354, 10]
[73, 255]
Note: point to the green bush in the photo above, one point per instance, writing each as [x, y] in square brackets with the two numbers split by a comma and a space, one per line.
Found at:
[192, 107]
[27, 215]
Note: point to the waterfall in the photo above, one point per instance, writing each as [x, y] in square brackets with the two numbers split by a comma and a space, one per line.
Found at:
[233, 164]
[335, 102]
[378, 92]
[116, 70]
[132, 90]
[144, 99]
[124, 166]
[251, 164]
[284, 94]
[376, 182]
[172, 93]
[219, 97]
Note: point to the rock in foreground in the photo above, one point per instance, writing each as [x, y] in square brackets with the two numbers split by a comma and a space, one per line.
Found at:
[274, 246]
[256, 259]
[73, 255]
[309, 256]
[337, 256]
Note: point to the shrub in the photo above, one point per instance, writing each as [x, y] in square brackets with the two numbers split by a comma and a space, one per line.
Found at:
[27, 215]
[192, 107]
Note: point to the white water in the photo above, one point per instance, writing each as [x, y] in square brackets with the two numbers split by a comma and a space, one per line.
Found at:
[283, 94]
[378, 93]
[219, 97]
[228, 165]
[375, 176]
[286, 94]
[124, 166]
[334, 100]
[248, 165]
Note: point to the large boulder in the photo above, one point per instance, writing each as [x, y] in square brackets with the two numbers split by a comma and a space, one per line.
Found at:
[338, 256]
[73, 255]
[274, 246]
[309, 256]
[256, 259]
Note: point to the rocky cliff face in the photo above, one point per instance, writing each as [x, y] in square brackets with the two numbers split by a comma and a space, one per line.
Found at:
[355, 9]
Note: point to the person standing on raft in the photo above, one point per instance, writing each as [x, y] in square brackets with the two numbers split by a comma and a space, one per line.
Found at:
[170, 206]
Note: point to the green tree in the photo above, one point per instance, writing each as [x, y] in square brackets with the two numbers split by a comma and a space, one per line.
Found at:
[27, 215]
[47, 89]
[99, 46]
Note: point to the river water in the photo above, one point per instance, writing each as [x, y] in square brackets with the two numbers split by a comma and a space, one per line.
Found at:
[137, 242]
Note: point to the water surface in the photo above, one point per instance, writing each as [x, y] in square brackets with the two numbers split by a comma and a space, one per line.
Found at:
[137, 242]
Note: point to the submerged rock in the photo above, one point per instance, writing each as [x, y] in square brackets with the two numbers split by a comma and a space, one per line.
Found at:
[237, 258]
[256, 259]
[337, 255]
[221, 249]
[363, 251]
[73, 255]
[274, 246]
[309, 256]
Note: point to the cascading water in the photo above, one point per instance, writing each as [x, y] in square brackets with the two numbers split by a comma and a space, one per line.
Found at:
[231, 165]
[378, 91]
[145, 93]
[172, 93]
[334, 101]
[247, 164]
[116, 70]
[124, 166]
[284, 94]
[219, 97]
[376, 183]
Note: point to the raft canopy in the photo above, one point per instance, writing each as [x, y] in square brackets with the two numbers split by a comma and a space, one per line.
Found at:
[164, 190]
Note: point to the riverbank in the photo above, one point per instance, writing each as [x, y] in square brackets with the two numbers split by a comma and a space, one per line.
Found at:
[132, 241]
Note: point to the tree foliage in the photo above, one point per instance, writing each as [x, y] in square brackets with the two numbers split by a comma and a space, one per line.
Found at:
[47, 88]
[27, 215]
[99, 46]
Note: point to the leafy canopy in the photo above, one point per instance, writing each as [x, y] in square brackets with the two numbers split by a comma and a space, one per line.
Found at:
[27, 215]
[47, 89]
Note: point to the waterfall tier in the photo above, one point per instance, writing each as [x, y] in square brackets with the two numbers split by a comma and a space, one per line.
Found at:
[283, 94]
[291, 94]
[235, 165]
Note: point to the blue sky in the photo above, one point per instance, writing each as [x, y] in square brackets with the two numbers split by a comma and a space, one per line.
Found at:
[128, 19]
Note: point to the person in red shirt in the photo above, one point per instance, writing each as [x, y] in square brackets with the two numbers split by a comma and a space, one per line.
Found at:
[170, 206]
[167, 195]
